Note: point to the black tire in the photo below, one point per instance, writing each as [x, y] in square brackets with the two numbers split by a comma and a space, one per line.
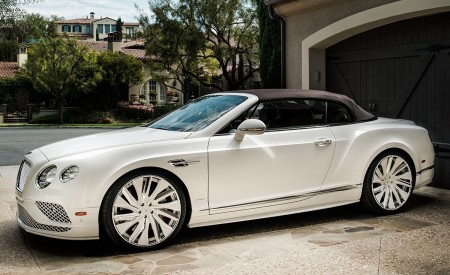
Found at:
[389, 183]
[143, 210]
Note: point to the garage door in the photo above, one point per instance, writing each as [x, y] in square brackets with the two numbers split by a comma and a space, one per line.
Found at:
[401, 70]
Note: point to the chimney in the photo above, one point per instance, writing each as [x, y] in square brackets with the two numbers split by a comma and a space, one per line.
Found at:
[92, 15]
[114, 41]
[22, 55]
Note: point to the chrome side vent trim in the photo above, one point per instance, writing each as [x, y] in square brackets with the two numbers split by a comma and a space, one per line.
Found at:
[181, 162]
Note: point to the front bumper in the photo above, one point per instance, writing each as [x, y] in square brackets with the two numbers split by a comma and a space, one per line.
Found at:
[52, 220]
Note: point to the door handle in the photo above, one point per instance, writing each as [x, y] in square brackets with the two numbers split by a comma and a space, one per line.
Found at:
[322, 142]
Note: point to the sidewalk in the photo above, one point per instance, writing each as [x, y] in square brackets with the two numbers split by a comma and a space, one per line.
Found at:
[345, 240]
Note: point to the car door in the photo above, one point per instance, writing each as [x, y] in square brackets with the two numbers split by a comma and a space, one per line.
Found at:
[291, 159]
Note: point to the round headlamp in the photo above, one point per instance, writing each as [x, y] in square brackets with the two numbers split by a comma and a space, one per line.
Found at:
[69, 173]
[46, 177]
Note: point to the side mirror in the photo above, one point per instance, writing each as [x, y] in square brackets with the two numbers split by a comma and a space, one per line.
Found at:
[250, 127]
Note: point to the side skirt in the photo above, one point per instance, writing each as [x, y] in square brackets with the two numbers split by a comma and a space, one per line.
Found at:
[284, 206]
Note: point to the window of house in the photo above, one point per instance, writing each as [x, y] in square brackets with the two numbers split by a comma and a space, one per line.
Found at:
[114, 28]
[162, 92]
[107, 28]
[77, 28]
[65, 28]
[152, 90]
[129, 32]
[88, 29]
[100, 28]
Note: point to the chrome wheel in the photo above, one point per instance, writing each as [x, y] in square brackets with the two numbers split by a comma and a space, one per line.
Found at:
[389, 183]
[392, 182]
[144, 211]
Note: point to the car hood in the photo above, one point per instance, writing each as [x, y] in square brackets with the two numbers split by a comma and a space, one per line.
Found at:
[126, 137]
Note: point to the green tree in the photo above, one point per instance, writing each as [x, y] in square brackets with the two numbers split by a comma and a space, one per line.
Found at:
[54, 66]
[8, 51]
[119, 24]
[270, 48]
[197, 40]
[31, 28]
[118, 73]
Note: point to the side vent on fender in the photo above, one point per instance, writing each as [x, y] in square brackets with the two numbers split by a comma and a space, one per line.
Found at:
[181, 162]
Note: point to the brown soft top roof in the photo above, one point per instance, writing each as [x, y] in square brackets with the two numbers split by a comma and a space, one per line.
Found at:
[267, 94]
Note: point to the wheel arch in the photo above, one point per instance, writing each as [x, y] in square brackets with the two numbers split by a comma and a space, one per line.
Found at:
[159, 170]
[392, 147]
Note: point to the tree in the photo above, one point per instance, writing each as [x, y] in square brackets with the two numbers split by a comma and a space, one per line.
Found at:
[8, 51]
[29, 28]
[270, 48]
[119, 24]
[197, 40]
[55, 66]
[118, 73]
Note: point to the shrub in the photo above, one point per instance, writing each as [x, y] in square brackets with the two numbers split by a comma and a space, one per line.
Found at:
[135, 112]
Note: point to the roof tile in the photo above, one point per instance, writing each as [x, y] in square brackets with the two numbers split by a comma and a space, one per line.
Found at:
[8, 69]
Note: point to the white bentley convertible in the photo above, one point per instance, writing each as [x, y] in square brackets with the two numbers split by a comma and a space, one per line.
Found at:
[222, 158]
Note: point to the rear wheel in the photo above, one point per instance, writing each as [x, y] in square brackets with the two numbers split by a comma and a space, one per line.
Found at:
[389, 183]
[143, 211]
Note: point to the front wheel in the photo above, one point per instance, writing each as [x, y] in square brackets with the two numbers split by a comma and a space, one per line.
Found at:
[143, 211]
[389, 183]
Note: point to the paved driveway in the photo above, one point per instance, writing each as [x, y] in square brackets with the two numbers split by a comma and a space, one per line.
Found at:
[344, 240]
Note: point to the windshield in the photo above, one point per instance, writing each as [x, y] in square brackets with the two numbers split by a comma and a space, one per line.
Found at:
[198, 114]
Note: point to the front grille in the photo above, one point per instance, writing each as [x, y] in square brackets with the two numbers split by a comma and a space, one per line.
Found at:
[28, 220]
[22, 176]
[53, 211]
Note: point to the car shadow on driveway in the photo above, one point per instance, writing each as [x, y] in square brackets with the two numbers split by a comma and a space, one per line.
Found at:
[99, 248]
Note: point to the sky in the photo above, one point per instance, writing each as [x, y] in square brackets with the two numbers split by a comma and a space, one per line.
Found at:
[71, 9]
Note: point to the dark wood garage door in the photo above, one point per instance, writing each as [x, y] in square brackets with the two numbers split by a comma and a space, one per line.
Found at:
[401, 70]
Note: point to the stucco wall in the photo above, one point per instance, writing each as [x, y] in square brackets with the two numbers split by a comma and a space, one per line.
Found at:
[302, 23]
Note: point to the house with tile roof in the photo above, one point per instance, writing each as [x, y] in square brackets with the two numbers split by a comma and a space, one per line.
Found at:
[149, 90]
[96, 29]
[10, 69]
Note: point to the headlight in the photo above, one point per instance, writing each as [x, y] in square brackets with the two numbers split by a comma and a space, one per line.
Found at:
[69, 173]
[46, 177]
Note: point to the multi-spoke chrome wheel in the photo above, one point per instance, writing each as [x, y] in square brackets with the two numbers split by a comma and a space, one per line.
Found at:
[389, 183]
[144, 210]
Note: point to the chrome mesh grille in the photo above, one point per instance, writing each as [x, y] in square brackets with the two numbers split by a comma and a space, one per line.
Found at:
[53, 211]
[22, 176]
[28, 220]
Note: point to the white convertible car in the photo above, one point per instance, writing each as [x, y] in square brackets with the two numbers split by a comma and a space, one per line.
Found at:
[222, 158]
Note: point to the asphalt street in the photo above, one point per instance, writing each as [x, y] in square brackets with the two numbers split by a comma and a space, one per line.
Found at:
[16, 142]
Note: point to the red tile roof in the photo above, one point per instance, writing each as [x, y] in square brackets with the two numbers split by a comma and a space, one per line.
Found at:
[136, 53]
[101, 46]
[98, 46]
[75, 21]
[8, 69]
